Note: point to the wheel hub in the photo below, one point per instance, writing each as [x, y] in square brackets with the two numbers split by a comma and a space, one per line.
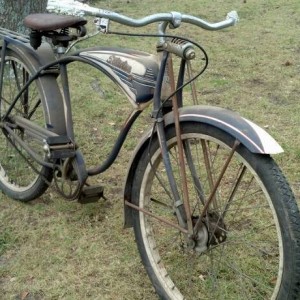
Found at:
[211, 233]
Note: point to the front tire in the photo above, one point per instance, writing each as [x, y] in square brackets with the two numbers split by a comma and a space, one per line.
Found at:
[253, 249]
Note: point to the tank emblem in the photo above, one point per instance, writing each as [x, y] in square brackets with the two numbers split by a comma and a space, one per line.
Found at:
[119, 63]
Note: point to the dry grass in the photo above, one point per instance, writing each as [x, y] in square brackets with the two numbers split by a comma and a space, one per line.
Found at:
[54, 249]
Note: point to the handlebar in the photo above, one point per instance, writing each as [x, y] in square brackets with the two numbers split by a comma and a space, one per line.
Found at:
[72, 7]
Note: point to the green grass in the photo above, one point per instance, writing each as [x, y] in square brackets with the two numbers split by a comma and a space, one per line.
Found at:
[55, 249]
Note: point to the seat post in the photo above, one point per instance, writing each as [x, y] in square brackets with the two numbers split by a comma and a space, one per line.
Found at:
[35, 38]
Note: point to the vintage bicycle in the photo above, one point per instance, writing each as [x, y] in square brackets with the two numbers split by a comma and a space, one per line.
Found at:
[213, 216]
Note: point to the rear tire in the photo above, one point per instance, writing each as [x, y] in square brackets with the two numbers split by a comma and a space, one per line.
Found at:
[254, 217]
[21, 178]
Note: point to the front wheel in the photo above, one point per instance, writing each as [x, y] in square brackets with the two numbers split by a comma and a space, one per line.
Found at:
[248, 247]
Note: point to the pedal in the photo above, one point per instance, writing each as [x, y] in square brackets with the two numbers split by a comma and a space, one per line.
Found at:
[90, 194]
[59, 147]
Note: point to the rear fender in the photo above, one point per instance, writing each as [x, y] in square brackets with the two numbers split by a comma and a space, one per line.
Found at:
[53, 104]
[253, 137]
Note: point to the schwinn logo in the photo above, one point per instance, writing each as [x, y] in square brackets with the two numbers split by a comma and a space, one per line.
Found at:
[119, 63]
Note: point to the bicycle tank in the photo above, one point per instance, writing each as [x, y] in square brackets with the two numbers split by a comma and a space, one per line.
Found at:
[135, 72]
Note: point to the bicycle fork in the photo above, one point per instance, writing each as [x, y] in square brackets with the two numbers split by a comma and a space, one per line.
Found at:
[193, 228]
[182, 208]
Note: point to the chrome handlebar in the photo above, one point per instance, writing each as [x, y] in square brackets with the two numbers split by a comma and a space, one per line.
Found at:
[72, 7]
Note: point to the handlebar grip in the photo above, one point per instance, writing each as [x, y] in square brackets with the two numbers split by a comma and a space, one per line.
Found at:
[234, 16]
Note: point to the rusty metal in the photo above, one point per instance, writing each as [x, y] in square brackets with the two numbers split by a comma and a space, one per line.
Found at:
[208, 170]
[239, 180]
[211, 197]
[183, 177]
[183, 230]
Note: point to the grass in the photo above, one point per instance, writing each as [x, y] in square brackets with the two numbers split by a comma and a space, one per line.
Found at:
[55, 249]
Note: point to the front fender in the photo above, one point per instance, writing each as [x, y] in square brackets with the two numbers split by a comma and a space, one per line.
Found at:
[253, 137]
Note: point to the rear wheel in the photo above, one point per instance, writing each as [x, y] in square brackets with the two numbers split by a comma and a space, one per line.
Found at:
[248, 247]
[21, 178]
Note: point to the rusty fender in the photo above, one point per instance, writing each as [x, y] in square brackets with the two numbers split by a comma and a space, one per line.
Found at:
[253, 137]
